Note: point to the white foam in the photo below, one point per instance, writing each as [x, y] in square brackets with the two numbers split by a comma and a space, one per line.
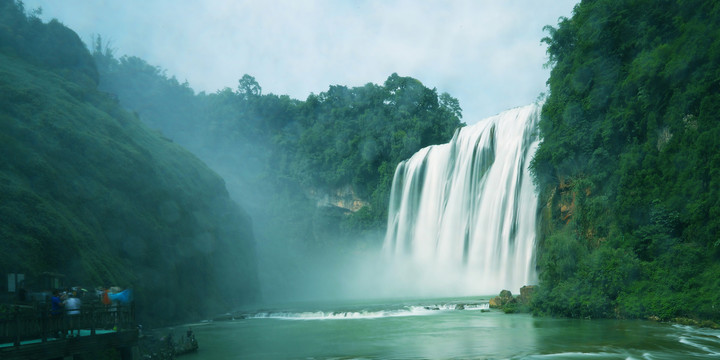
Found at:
[710, 352]
[411, 310]
[572, 355]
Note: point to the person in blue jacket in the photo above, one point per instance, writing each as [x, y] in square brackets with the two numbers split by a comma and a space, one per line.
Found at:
[56, 304]
[56, 312]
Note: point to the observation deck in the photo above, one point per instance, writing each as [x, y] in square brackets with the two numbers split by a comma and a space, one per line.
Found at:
[29, 332]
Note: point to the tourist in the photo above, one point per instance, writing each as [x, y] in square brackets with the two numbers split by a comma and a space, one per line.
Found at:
[56, 304]
[72, 306]
[56, 312]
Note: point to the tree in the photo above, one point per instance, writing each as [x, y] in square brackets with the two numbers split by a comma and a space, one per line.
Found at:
[248, 87]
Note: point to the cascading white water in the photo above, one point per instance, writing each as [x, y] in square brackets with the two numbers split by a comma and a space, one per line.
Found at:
[466, 210]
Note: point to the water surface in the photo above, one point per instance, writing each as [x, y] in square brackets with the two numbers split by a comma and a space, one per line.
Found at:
[440, 329]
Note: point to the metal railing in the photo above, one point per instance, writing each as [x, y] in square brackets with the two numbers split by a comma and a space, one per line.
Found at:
[27, 323]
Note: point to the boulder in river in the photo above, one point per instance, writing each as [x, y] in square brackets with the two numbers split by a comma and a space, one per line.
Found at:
[502, 300]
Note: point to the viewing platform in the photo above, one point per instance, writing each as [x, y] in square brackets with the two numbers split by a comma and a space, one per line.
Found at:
[29, 332]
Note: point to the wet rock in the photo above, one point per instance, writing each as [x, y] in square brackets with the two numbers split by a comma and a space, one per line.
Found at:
[526, 294]
[502, 300]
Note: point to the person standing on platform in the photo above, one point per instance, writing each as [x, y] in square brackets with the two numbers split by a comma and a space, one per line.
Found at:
[56, 312]
[72, 305]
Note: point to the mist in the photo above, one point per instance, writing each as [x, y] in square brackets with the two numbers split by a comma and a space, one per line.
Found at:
[486, 56]
[355, 179]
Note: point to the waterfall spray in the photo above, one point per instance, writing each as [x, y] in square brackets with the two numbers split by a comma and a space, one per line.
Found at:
[466, 211]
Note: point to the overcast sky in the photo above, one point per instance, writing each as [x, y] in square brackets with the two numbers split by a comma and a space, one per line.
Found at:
[485, 53]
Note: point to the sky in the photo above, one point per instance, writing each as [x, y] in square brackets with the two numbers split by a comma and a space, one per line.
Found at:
[487, 54]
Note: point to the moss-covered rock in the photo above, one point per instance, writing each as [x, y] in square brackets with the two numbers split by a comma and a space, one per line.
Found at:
[510, 304]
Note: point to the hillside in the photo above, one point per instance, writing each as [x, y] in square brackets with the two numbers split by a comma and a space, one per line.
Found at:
[314, 174]
[628, 168]
[88, 191]
[341, 138]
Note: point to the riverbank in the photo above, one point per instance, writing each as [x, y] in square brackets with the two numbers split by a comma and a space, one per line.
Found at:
[523, 303]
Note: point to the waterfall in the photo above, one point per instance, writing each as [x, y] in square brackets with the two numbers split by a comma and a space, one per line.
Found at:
[466, 211]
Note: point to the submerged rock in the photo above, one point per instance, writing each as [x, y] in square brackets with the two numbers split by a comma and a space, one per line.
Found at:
[154, 347]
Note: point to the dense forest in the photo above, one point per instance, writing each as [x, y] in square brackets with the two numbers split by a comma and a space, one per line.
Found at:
[95, 181]
[321, 168]
[628, 168]
[88, 191]
[315, 175]
[342, 137]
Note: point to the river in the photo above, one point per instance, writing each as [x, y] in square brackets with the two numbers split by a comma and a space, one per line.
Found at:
[448, 328]
[461, 220]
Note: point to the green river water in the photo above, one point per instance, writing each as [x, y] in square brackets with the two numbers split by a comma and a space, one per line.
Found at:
[451, 328]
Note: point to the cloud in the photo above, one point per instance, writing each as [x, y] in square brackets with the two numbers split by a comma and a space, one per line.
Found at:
[485, 53]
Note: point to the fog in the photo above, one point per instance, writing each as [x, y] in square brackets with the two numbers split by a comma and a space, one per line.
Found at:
[486, 54]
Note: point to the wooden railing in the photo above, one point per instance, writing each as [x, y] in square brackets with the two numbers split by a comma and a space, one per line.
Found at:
[26, 323]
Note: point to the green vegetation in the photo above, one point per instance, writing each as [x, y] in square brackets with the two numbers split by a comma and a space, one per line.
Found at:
[629, 163]
[295, 150]
[50, 45]
[89, 191]
[358, 136]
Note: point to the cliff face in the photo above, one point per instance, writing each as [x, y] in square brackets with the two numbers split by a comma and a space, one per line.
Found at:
[625, 167]
[344, 197]
[88, 191]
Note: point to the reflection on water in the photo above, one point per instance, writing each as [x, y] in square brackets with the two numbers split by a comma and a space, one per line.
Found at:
[441, 329]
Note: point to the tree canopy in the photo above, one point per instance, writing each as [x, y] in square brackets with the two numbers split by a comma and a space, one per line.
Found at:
[341, 137]
[628, 165]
